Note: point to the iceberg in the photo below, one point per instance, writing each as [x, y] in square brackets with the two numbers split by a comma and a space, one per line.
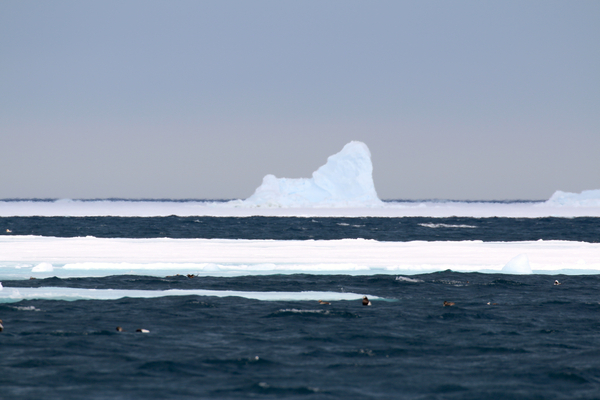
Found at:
[587, 198]
[346, 180]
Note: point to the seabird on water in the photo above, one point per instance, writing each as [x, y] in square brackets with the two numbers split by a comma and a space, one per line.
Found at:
[556, 282]
[324, 302]
[1, 327]
[366, 301]
[142, 330]
[448, 303]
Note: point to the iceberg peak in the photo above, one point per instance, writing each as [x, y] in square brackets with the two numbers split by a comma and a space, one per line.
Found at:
[346, 180]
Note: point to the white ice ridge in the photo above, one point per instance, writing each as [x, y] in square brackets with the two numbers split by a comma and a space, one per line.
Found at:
[587, 198]
[94, 257]
[11, 295]
[345, 180]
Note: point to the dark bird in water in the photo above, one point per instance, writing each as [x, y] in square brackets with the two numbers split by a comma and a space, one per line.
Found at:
[366, 301]
[324, 302]
[191, 276]
[1, 327]
[119, 329]
[448, 303]
[142, 330]
[556, 282]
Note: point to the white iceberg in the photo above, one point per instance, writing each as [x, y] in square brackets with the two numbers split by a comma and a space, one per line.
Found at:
[587, 198]
[346, 180]
[518, 265]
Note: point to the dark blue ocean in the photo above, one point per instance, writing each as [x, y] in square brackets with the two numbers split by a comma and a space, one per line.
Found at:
[505, 337]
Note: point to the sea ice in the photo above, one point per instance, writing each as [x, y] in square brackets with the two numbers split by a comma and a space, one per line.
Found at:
[89, 257]
[70, 294]
[345, 180]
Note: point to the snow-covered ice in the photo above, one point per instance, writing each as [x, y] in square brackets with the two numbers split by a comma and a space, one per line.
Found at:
[88, 256]
[236, 208]
[11, 295]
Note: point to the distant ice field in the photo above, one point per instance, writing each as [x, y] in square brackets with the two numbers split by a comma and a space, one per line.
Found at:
[555, 207]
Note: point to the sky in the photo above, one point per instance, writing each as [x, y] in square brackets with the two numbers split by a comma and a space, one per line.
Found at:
[456, 100]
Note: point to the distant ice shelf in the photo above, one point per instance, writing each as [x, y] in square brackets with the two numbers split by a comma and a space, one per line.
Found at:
[237, 208]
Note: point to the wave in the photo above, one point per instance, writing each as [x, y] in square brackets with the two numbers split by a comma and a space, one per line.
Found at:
[431, 225]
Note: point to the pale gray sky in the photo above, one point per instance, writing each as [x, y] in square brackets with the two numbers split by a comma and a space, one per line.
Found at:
[191, 99]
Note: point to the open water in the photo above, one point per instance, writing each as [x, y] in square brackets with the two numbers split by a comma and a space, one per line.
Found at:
[585, 229]
[505, 337]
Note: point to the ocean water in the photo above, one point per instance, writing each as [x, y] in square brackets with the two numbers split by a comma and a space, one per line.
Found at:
[267, 336]
[585, 229]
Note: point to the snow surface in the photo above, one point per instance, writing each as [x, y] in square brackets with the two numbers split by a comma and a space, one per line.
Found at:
[92, 257]
[345, 180]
